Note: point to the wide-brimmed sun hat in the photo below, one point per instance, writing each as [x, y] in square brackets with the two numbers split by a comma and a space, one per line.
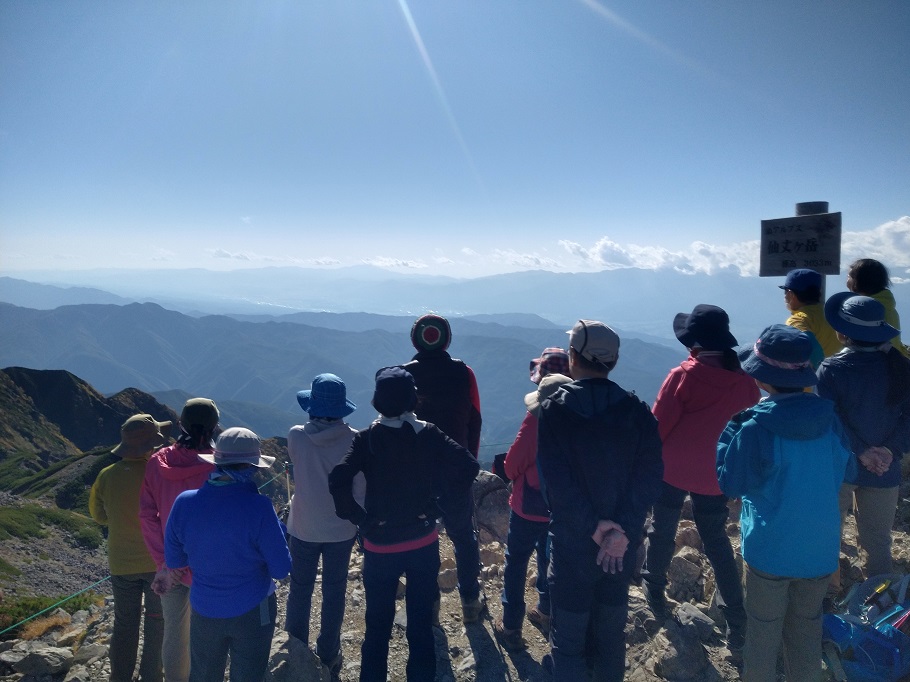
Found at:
[327, 397]
[547, 387]
[860, 318]
[238, 445]
[780, 357]
[707, 326]
[141, 434]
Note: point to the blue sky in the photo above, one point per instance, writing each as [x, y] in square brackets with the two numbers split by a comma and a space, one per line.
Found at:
[463, 139]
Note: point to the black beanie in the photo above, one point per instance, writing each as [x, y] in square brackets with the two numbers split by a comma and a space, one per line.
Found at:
[431, 332]
[396, 392]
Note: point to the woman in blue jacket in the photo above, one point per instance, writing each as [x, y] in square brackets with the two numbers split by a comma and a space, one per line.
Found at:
[869, 383]
[230, 537]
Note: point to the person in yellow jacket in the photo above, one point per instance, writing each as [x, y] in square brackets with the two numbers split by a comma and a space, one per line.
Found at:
[114, 502]
[803, 296]
[869, 277]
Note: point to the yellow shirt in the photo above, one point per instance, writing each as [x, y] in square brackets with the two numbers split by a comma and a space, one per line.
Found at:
[886, 298]
[114, 502]
[811, 318]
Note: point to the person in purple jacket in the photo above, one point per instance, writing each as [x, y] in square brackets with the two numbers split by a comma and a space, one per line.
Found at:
[230, 537]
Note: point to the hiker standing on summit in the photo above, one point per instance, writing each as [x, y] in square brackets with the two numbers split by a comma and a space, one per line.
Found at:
[447, 396]
[786, 458]
[599, 455]
[168, 473]
[114, 502]
[693, 406]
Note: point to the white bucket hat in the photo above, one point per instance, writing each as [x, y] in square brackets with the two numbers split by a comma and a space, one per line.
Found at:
[237, 445]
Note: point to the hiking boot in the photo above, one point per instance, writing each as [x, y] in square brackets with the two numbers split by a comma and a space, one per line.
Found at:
[334, 667]
[510, 639]
[472, 609]
[657, 600]
[540, 619]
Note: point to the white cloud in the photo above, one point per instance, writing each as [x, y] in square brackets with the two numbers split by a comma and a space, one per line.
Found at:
[324, 262]
[889, 243]
[524, 260]
[468, 251]
[222, 253]
[698, 257]
[386, 262]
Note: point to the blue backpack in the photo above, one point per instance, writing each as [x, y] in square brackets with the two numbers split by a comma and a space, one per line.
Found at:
[867, 641]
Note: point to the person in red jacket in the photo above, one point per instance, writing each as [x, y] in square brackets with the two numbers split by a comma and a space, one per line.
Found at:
[529, 516]
[168, 473]
[693, 406]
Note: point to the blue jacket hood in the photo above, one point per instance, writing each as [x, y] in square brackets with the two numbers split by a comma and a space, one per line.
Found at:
[796, 416]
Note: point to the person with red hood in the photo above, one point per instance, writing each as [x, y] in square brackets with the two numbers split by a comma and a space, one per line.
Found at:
[693, 406]
[169, 472]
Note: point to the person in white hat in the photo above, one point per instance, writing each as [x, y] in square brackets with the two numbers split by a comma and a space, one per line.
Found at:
[230, 537]
[114, 502]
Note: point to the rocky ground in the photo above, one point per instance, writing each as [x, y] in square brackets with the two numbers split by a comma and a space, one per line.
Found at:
[688, 646]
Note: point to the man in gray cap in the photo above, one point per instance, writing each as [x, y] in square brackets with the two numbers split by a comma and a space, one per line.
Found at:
[599, 454]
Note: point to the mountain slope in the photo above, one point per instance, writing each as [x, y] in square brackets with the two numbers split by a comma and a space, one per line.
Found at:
[153, 349]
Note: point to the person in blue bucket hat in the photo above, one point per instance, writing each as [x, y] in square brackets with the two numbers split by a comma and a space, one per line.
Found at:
[315, 448]
[786, 458]
[869, 384]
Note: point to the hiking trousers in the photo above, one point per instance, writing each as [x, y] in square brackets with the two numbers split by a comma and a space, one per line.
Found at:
[129, 593]
[784, 611]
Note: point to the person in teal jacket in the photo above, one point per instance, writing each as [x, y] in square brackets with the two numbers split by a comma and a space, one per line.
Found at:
[786, 458]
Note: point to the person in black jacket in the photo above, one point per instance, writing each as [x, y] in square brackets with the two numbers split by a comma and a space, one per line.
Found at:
[599, 455]
[447, 396]
[405, 462]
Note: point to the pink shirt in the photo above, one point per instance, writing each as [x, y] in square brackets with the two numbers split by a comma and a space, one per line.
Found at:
[168, 473]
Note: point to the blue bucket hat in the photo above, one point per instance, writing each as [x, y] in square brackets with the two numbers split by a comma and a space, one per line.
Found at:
[860, 318]
[326, 398]
[707, 326]
[780, 357]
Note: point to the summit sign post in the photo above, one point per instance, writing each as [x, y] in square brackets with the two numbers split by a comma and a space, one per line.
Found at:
[810, 239]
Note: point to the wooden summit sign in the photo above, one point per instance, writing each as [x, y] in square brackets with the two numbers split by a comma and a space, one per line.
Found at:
[804, 241]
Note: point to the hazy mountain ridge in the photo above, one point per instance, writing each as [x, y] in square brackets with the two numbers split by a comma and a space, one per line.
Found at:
[153, 349]
[637, 301]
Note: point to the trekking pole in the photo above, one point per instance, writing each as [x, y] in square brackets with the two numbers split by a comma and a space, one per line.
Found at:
[287, 479]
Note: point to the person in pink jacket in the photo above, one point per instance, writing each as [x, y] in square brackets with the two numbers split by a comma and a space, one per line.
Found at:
[529, 516]
[169, 472]
[693, 406]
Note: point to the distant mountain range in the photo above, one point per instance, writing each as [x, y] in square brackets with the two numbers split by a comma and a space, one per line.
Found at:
[253, 370]
[638, 302]
[274, 329]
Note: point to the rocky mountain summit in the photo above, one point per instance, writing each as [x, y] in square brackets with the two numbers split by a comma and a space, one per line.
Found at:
[72, 647]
